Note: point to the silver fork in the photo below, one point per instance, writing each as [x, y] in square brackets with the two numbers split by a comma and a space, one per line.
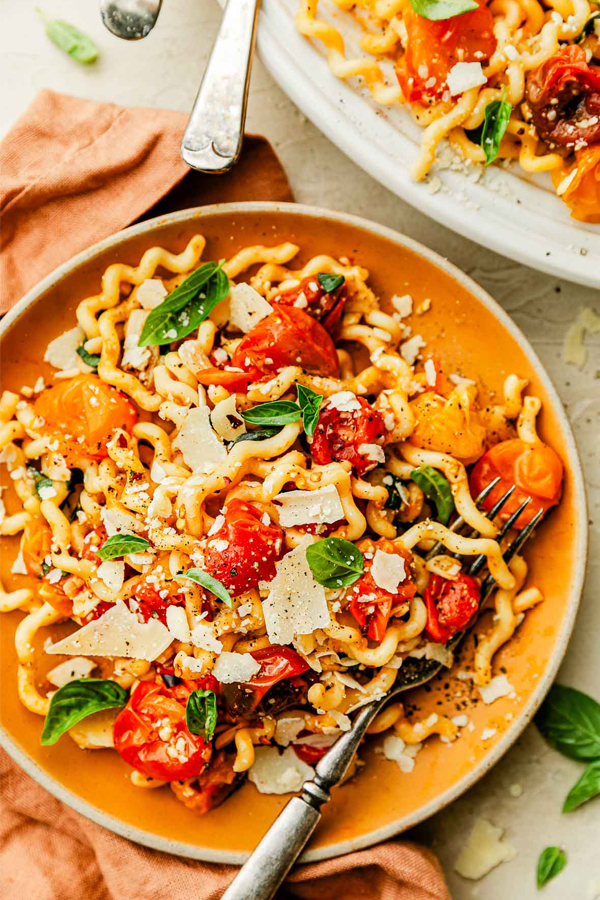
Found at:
[279, 849]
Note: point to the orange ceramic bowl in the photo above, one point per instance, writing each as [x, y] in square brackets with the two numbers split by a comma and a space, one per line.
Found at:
[471, 334]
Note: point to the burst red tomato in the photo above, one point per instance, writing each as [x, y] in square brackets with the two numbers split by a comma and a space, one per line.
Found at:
[92, 542]
[349, 435]
[81, 414]
[450, 606]
[326, 307]
[287, 337]
[151, 735]
[371, 605]
[233, 381]
[154, 598]
[433, 48]
[276, 663]
[535, 469]
[244, 549]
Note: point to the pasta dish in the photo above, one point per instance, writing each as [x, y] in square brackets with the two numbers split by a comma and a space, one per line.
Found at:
[501, 80]
[225, 500]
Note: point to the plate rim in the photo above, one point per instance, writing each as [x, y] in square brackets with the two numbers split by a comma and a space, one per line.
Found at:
[192, 851]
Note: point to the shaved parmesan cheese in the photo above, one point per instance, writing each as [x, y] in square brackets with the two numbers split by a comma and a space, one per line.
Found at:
[71, 670]
[18, 567]
[287, 730]
[118, 521]
[430, 373]
[95, 732]
[273, 773]
[135, 357]
[112, 573]
[463, 76]
[372, 451]
[461, 721]
[488, 733]
[344, 401]
[62, 351]
[320, 740]
[498, 687]
[151, 293]
[574, 351]
[409, 350]
[199, 445]
[247, 307]
[310, 507]
[117, 633]
[177, 623]
[234, 668]
[388, 570]
[395, 749]
[342, 721]
[296, 602]
[483, 851]
[403, 305]
[84, 603]
[226, 420]
[435, 651]
[204, 637]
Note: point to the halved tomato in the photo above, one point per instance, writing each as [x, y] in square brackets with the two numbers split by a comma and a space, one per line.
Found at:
[352, 435]
[372, 605]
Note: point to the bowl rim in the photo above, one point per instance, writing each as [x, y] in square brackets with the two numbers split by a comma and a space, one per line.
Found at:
[192, 851]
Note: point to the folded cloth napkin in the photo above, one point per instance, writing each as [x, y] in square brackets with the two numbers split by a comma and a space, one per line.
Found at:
[73, 172]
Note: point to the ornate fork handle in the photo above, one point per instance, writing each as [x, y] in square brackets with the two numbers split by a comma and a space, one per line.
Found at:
[262, 874]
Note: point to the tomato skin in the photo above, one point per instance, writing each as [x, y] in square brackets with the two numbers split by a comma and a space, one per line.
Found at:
[233, 381]
[212, 786]
[36, 544]
[338, 435]
[450, 606]
[276, 663]
[535, 469]
[151, 604]
[433, 48]
[251, 552]
[287, 337]
[81, 414]
[138, 742]
[371, 605]
[309, 754]
[325, 307]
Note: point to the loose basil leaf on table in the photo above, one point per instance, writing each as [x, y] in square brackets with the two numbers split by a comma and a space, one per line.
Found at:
[552, 861]
[496, 118]
[211, 584]
[260, 435]
[70, 39]
[122, 545]
[570, 721]
[583, 790]
[437, 488]
[186, 307]
[90, 359]
[310, 404]
[41, 481]
[335, 563]
[78, 699]
[437, 10]
[277, 412]
[330, 283]
[201, 713]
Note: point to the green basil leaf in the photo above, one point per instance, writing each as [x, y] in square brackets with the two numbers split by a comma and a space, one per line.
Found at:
[330, 283]
[201, 713]
[570, 721]
[587, 787]
[122, 545]
[259, 435]
[90, 359]
[552, 861]
[496, 116]
[437, 10]
[435, 486]
[211, 584]
[41, 480]
[310, 404]
[186, 307]
[335, 563]
[70, 39]
[394, 500]
[277, 412]
[78, 699]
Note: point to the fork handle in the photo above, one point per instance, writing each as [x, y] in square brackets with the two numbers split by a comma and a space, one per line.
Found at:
[281, 846]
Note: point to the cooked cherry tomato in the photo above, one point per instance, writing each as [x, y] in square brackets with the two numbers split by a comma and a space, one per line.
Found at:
[433, 48]
[151, 735]
[154, 598]
[287, 337]
[348, 435]
[233, 381]
[92, 542]
[276, 663]
[309, 754]
[564, 97]
[448, 426]
[244, 550]
[36, 545]
[52, 592]
[212, 786]
[582, 179]
[81, 414]
[535, 469]
[450, 606]
[372, 605]
[325, 307]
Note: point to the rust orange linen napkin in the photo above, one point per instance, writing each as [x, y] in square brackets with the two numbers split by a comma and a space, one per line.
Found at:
[73, 172]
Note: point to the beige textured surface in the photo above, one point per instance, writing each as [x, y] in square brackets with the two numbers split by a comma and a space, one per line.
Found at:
[164, 70]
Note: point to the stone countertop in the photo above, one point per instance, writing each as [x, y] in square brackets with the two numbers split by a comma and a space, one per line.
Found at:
[165, 70]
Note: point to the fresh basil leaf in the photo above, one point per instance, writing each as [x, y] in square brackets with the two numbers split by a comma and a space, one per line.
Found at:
[277, 412]
[437, 10]
[552, 861]
[394, 500]
[335, 563]
[186, 307]
[41, 480]
[70, 39]
[496, 117]
[78, 699]
[211, 584]
[260, 435]
[201, 713]
[587, 787]
[330, 283]
[122, 545]
[570, 721]
[435, 486]
[90, 359]
[310, 404]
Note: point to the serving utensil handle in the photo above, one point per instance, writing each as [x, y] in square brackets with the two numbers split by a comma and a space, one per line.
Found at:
[281, 846]
[213, 138]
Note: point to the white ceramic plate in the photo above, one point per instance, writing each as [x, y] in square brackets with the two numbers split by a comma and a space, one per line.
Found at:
[514, 214]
